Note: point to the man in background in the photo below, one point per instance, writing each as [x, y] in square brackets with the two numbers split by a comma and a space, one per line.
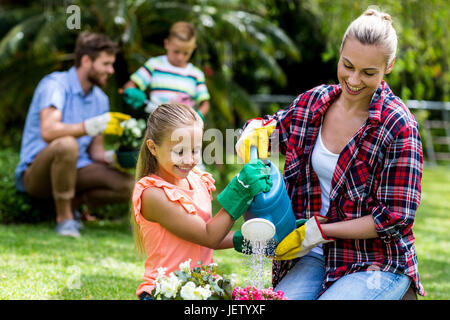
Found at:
[62, 154]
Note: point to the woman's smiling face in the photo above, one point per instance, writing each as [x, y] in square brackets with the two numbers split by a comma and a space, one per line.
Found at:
[361, 69]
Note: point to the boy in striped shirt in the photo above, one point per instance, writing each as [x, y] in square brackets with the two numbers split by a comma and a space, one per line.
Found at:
[170, 77]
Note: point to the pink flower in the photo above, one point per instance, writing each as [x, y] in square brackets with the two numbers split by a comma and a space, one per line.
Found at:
[252, 293]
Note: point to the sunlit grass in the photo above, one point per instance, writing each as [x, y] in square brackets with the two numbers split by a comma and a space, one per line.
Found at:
[36, 263]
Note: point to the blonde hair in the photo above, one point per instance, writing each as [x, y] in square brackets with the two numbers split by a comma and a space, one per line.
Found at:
[160, 124]
[182, 30]
[374, 28]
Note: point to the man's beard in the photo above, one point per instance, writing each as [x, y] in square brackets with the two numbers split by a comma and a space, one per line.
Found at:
[94, 78]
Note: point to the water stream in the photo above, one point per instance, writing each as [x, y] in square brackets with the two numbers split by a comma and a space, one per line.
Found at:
[258, 263]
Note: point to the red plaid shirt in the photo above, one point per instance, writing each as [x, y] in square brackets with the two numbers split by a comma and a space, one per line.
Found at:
[378, 173]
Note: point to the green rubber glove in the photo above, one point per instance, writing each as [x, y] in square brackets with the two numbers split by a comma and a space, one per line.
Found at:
[200, 115]
[253, 178]
[300, 222]
[134, 97]
[238, 241]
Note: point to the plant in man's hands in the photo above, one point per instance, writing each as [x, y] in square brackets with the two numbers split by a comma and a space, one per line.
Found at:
[132, 134]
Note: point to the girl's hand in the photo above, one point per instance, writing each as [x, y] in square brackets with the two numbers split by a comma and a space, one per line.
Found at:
[254, 178]
[191, 227]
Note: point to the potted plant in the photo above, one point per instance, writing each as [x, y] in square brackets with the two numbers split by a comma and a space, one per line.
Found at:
[128, 144]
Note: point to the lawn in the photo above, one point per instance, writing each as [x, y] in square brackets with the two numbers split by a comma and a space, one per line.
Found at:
[35, 263]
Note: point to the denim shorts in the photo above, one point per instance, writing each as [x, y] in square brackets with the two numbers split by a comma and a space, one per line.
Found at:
[304, 282]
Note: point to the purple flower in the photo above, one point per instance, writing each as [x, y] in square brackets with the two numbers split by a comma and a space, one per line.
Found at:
[252, 293]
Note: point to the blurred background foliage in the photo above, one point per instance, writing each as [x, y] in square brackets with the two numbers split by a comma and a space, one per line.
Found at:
[245, 47]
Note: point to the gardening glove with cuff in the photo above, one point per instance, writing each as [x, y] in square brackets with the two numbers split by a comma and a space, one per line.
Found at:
[107, 123]
[300, 241]
[253, 178]
[134, 97]
[257, 134]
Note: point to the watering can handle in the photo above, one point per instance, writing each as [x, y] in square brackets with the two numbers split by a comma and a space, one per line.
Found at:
[253, 152]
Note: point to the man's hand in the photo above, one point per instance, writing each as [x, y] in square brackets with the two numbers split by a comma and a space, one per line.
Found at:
[107, 123]
[110, 157]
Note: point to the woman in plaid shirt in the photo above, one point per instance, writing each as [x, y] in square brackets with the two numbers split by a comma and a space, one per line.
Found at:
[353, 169]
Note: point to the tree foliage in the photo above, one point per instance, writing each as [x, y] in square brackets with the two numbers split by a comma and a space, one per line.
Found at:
[244, 47]
[35, 40]
[421, 69]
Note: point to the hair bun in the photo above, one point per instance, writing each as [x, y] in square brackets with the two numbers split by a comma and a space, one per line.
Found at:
[373, 11]
[386, 17]
[374, 27]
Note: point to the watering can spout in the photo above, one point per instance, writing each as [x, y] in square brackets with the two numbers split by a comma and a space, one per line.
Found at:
[270, 214]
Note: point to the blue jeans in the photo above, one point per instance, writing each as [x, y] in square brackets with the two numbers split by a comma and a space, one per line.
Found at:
[304, 282]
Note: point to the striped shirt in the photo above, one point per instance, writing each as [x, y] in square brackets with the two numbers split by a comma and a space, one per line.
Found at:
[378, 173]
[168, 83]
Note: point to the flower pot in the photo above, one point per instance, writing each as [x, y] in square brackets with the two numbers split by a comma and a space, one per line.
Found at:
[127, 159]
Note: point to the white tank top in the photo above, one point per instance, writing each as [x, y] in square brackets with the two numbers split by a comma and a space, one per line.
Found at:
[323, 162]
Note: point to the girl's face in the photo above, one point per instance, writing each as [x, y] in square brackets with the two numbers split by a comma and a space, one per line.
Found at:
[360, 70]
[179, 152]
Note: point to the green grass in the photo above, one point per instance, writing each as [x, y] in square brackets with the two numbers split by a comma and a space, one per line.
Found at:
[38, 264]
[432, 227]
[35, 263]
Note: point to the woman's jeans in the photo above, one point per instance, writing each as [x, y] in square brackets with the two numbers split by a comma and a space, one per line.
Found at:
[304, 282]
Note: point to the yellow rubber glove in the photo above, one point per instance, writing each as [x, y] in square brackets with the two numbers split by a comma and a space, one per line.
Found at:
[300, 241]
[114, 127]
[257, 134]
[106, 123]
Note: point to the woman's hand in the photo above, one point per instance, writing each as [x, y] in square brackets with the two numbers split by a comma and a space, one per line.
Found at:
[300, 241]
[257, 134]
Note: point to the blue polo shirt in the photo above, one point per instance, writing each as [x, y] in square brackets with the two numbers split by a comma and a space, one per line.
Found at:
[63, 91]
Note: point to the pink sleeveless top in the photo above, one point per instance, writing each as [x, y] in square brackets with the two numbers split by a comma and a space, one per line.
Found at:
[163, 248]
